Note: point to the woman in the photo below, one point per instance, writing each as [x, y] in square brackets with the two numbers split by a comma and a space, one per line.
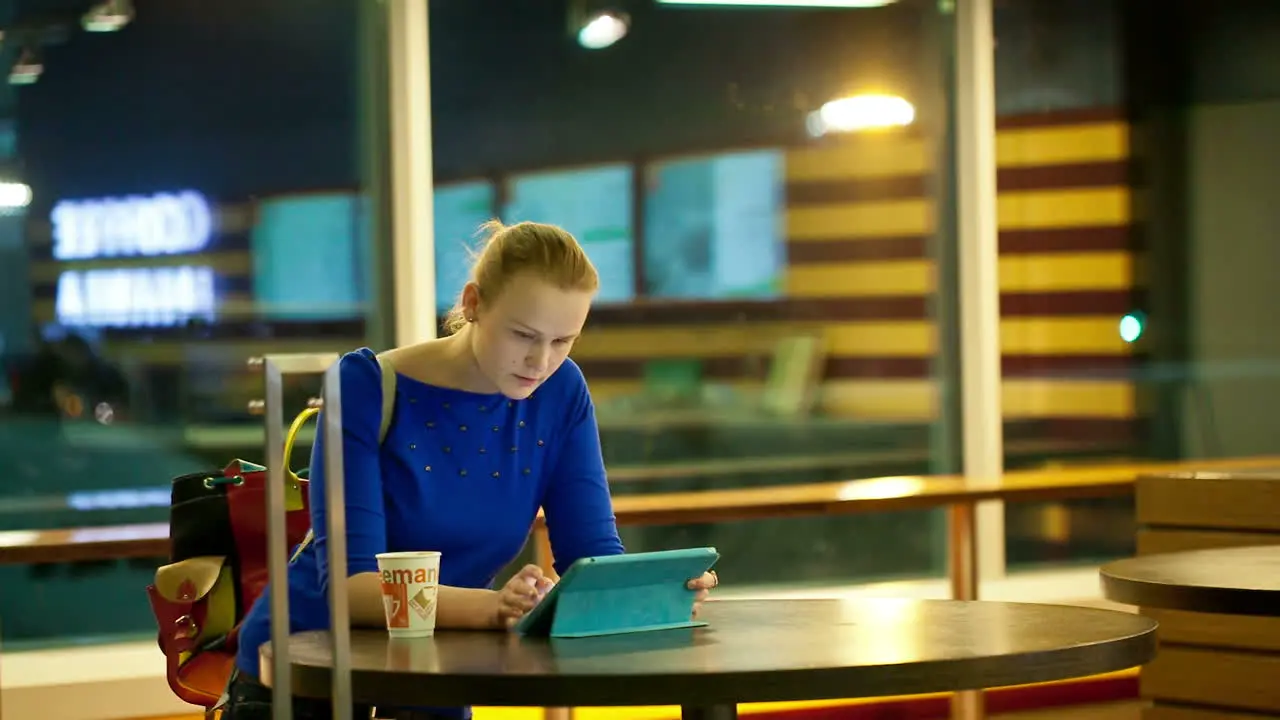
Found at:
[491, 422]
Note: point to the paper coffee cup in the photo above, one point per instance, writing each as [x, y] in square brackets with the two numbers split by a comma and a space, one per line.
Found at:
[410, 584]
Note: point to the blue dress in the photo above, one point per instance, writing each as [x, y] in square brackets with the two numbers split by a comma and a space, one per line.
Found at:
[459, 472]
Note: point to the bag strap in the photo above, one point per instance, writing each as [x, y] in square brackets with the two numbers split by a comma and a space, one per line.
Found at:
[388, 372]
[388, 395]
[289, 439]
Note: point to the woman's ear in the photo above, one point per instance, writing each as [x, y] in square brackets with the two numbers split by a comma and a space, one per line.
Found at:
[470, 301]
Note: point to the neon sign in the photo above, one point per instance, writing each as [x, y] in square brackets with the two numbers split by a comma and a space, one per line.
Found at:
[159, 224]
[136, 297]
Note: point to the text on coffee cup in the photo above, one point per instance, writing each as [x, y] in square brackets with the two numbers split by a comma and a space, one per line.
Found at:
[407, 576]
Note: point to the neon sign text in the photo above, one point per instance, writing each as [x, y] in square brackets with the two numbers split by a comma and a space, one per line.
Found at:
[160, 224]
[136, 297]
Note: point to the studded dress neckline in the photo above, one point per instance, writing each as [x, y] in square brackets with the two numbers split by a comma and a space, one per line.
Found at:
[467, 432]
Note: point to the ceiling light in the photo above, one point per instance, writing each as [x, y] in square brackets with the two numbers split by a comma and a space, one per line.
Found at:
[27, 68]
[861, 112]
[108, 16]
[785, 3]
[603, 29]
[14, 195]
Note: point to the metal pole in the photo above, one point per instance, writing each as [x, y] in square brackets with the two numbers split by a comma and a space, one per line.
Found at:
[937, 113]
[412, 211]
[979, 270]
[978, 255]
[277, 538]
[274, 368]
[336, 526]
[375, 179]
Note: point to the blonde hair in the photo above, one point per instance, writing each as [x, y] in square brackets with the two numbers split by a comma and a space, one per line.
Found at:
[547, 250]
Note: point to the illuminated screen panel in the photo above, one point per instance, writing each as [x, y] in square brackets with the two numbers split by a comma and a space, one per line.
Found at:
[137, 295]
[308, 257]
[151, 297]
[714, 226]
[160, 224]
[459, 211]
[592, 203]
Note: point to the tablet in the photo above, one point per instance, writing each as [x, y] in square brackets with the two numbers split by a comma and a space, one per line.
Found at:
[613, 594]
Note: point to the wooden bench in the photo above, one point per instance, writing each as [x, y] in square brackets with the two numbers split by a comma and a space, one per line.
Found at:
[110, 542]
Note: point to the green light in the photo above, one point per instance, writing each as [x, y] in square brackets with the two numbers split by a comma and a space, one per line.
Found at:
[1131, 327]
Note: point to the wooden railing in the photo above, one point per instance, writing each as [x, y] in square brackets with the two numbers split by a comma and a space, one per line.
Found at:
[885, 494]
[959, 495]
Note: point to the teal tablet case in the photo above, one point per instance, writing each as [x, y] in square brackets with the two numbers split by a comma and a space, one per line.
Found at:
[615, 594]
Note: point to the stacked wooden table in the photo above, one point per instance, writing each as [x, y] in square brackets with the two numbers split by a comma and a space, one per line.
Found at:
[1208, 570]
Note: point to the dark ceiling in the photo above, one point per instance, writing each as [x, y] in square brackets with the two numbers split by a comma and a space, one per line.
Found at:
[484, 40]
[17, 18]
[264, 93]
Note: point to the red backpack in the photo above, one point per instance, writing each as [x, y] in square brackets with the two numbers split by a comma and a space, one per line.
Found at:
[218, 560]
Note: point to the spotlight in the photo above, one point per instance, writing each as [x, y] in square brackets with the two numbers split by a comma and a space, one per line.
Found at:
[858, 113]
[785, 3]
[27, 68]
[597, 24]
[603, 29]
[13, 196]
[108, 16]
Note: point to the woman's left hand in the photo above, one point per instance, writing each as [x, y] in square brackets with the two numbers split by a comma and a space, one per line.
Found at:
[703, 587]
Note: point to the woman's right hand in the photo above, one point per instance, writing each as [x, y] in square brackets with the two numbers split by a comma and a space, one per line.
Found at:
[521, 594]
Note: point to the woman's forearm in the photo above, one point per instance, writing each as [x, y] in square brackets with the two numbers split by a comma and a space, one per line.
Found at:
[459, 608]
[467, 608]
[364, 600]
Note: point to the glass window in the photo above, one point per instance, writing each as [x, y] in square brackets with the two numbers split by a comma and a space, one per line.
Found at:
[459, 211]
[307, 262]
[595, 204]
[713, 226]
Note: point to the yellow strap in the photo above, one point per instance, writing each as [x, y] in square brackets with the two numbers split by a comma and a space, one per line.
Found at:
[292, 436]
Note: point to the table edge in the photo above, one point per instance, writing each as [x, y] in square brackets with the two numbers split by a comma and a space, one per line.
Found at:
[793, 684]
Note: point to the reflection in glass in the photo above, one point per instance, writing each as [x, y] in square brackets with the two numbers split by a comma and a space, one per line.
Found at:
[459, 211]
[307, 258]
[713, 226]
[592, 203]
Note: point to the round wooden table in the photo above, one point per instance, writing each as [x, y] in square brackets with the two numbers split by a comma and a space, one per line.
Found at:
[1230, 581]
[752, 651]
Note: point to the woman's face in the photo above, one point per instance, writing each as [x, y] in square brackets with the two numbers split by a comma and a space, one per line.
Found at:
[521, 337]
